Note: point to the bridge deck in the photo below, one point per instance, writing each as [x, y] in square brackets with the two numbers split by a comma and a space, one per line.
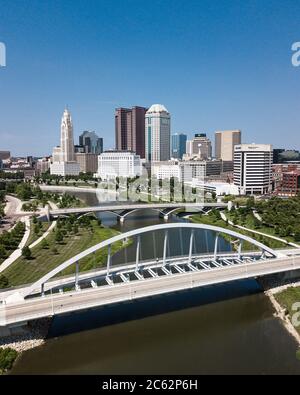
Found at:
[90, 297]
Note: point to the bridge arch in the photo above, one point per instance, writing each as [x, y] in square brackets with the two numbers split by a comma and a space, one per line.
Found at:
[137, 232]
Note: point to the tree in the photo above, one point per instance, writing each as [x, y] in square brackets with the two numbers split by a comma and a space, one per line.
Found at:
[44, 244]
[59, 236]
[3, 281]
[3, 252]
[54, 250]
[26, 252]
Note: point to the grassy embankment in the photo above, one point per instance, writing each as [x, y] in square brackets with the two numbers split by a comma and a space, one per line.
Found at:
[7, 359]
[213, 218]
[45, 258]
[249, 221]
[287, 298]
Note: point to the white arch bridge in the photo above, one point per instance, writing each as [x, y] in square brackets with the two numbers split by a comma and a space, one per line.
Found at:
[52, 295]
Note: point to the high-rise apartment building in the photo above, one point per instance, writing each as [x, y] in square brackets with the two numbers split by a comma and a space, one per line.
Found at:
[225, 142]
[91, 143]
[130, 129]
[253, 168]
[200, 146]
[178, 145]
[158, 133]
[63, 158]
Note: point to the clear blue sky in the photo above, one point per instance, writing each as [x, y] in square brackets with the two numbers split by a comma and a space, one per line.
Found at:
[214, 64]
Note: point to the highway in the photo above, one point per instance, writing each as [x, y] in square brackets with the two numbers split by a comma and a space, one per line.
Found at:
[88, 298]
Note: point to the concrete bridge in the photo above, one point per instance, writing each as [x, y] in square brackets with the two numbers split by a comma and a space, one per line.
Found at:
[123, 210]
[51, 295]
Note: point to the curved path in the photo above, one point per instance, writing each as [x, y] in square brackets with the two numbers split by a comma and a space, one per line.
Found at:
[18, 252]
[223, 216]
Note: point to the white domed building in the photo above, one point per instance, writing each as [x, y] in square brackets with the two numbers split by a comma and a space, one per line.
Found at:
[157, 133]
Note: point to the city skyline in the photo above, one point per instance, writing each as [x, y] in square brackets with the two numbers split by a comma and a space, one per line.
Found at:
[256, 93]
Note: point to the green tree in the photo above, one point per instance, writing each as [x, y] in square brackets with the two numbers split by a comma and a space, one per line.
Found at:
[26, 252]
[59, 236]
[3, 281]
[3, 252]
[45, 244]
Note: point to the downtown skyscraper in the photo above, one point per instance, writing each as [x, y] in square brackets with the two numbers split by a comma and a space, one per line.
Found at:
[63, 158]
[158, 133]
[130, 129]
[178, 145]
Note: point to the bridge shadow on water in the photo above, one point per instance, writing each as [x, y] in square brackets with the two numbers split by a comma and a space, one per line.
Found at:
[146, 307]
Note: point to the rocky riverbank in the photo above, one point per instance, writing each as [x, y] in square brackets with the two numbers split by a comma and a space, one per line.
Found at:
[26, 338]
[272, 286]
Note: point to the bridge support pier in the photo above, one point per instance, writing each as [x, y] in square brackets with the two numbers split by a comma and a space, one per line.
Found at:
[14, 330]
[121, 219]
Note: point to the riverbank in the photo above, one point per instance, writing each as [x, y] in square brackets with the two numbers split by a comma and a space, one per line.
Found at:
[28, 337]
[283, 314]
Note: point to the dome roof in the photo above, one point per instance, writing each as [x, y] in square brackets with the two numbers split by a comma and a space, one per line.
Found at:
[157, 108]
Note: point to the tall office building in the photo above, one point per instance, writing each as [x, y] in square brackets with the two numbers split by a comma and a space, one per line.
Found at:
[91, 142]
[199, 146]
[253, 168]
[178, 145]
[130, 129]
[64, 162]
[158, 135]
[225, 142]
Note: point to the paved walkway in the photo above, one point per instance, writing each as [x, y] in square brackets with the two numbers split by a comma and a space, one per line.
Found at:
[223, 216]
[18, 252]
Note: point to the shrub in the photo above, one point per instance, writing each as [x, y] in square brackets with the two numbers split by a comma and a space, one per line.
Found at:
[7, 358]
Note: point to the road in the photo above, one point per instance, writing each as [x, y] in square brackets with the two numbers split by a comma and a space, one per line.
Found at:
[78, 300]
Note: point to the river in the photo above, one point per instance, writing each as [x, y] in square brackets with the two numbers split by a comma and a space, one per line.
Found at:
[224, 329]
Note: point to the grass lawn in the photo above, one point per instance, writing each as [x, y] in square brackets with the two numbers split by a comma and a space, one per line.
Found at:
[250, 223]
[211, 220]
[25, 271]
[287, 298]
[33, 236]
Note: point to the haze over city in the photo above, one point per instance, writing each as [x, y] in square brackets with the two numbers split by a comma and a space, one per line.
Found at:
[216, 67]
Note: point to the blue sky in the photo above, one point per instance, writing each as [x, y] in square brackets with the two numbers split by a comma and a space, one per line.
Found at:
[214, 64]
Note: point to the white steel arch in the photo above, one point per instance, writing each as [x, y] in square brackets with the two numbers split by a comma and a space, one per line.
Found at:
[140, 231]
